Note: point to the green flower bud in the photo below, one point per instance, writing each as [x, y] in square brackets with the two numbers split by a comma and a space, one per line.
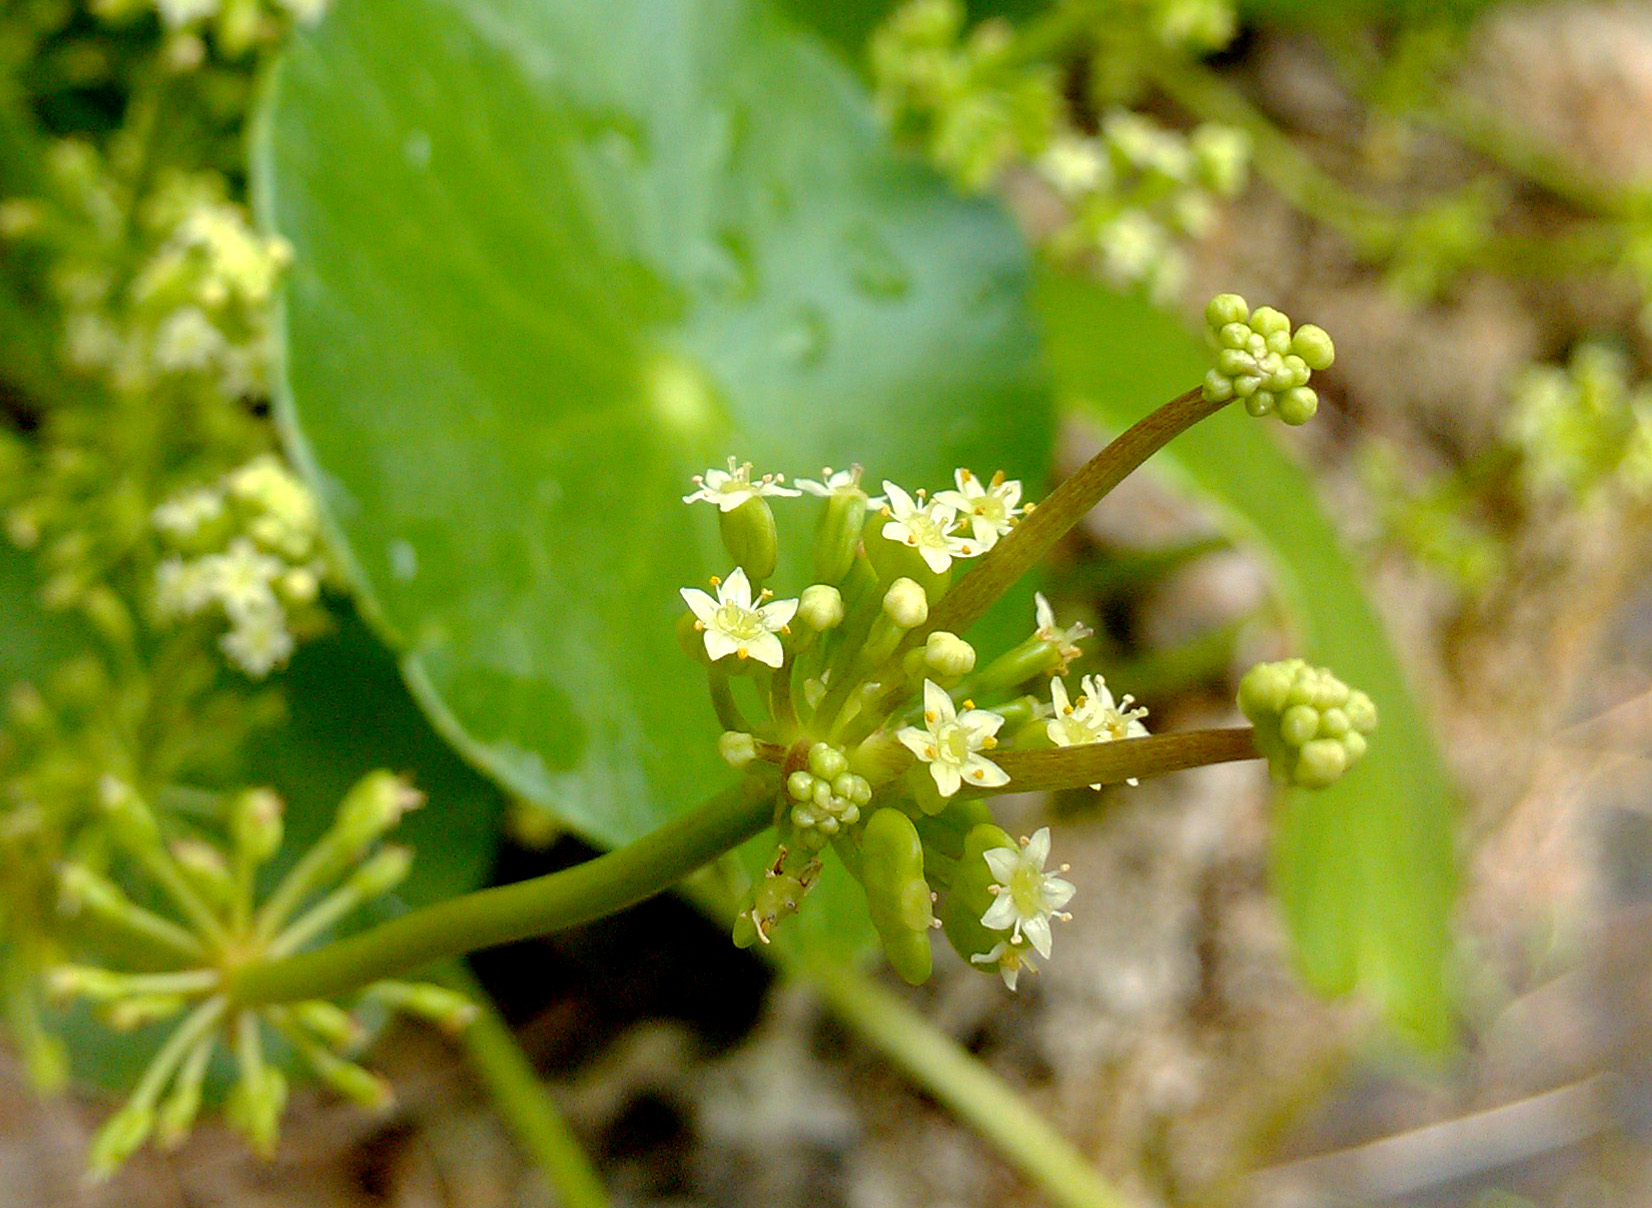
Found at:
[363, 1087]
[897, 895]
[1225, 309]
[255, 824]
[386, 870]
[206, 869]
[1313, 344]
[777, 895]
[736, 749]
[1221, 157]
[820, 607]
[906, 604]
[336, 1026]
[749, 536]
[447, 1009]
[140, 1011]
[800, 786]
[1298, 405]
[373, 806]
[827, 761]
[948, 655]
[971, 894]
[839, 534]
[129, 817]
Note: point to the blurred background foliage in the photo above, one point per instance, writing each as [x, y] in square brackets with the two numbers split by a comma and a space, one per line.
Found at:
[579, 255]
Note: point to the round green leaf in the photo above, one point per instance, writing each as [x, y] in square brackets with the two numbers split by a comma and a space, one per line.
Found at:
[551, 259]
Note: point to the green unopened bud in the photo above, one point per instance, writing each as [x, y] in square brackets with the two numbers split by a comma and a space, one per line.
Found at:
[1221, 156]
[827, 761]
[838, 538]
[880, 758]
[131, 820]
[820, 607]
[1313, 344]
[332, 1023]
[447, 1009]
[948, 655]
[205, 868]
[361, 1086]
[255, 1106]
[736, 748]
[1298, 405]
[177, 1113]
[373, 806]
[68, 982]
[906, 604]
[749, 536]
[255, 824]
[129, 1014]
[1224, 309]
[386, 870]
[119, 1138]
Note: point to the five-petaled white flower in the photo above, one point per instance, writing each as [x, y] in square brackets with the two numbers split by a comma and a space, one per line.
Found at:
[1010, 960]
[839, 482]
[1065, 640]
[1026, 897]
[927, 527]
[733, 625]
[951, 742]
[730, 488]
[991, 509]
[1093, 717]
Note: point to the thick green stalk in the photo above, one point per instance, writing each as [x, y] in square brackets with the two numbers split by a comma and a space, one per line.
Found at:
[1124, 759]
[946, 1070]
[514, 912]
[523, 1101]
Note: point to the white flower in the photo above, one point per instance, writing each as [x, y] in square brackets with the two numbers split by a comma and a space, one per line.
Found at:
[1094, 717]
[992, 509]
[183, 516]
[1009, 959]
[182, 589]
[839, 482]
[730, 488]
[733, 626]
[927, 528]
[950, 742]
[1065, 640]
[1074, 165]
[240, 579]
[259, 642]
[1027, 897]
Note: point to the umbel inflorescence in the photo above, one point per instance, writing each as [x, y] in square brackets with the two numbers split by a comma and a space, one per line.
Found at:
[884, 730]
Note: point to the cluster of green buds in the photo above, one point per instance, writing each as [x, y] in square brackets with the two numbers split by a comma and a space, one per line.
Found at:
[217, 926]
[972, 100]
[882, 732]
[249, 548]
[1310, 725]
[1137, 191]
[1583, 428]
[1262, 361]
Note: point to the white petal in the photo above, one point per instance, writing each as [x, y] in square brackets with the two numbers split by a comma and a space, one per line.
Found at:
[937, 702]
[1010, 493]
[986, 532]
[778, 613]
[736, 589]
[1044, 614]
[814, 488]
[1038, 847]
[1000, 914]
[946, 776]
[1057, 892]
[720, 645]
[717, 479]
[953, 499]
[919, 742]
[727, 501]
[1002, 861]
[1058, 696]
[936, 559]
[1009, 971]
[983, 773]
[899, 501]
[1037, 929]
[699, 603]
[980, 723]
[766, 649]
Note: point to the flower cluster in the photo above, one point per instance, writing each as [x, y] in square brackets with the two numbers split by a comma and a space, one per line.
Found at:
[872, 724]
[1310, 725]
[1262, 362]
[1137, 191]
[1583, 428]
[249, 547]
[218, 926]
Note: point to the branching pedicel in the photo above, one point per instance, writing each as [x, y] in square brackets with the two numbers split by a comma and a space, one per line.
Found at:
[882, 736]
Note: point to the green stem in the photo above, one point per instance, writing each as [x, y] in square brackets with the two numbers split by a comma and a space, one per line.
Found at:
[513, 912]
[1124, 759]
[971, 1091]
[524, 1102]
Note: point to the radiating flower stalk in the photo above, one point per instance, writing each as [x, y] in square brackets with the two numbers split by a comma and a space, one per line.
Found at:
[885, 731]
[213, 923]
